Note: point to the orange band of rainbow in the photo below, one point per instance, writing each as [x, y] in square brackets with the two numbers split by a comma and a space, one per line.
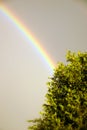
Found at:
[28, 34]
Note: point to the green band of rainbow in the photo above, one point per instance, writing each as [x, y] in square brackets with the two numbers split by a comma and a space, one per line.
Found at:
[28, 34]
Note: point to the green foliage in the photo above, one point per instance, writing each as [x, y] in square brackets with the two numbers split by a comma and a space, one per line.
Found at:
[66, 99]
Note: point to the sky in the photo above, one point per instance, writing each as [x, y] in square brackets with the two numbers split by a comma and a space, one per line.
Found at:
[59, 26]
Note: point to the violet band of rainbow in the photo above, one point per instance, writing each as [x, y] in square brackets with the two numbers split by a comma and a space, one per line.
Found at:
[6, 11]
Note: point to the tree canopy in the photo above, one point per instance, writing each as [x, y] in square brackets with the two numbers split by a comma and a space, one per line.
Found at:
[65, 106]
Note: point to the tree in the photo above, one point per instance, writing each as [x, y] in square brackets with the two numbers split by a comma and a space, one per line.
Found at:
[65, 107]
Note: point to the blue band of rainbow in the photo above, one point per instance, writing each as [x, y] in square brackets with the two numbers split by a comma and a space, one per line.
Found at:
[28, 34]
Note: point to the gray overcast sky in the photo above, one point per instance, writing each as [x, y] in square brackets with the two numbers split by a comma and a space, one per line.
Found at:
[59, 25]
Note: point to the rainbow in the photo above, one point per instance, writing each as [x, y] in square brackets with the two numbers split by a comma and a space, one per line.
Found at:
[7, 12]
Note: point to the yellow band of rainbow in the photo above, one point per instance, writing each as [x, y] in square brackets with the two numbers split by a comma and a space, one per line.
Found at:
[28, 34]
